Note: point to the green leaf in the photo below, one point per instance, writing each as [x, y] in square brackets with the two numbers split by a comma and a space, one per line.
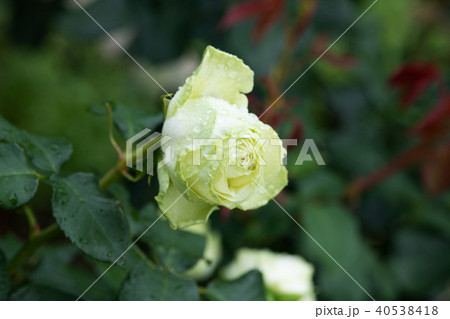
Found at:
[178, 250]
[10, 244]
[130, 121]
[416, 253]
[18, 181]
[248, 287]
[33, 292]
[335, 228]
[4, 278]
[55, 270]
[145, 283]
[92, 222]
[122, 197]
[46, 153]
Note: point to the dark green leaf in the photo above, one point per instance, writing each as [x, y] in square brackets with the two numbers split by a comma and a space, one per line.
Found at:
[8, 132]
[265, 229]
[46, 153]
[248, 287]
[32, 292]
[115, 276]
[178, 250]
[10, 244]
[130, 121]
[56, 271]
[122, 197]
[93, 222]
[145, 283]
[18, 181]
[4, 278]
[417, 253]
[336, 230]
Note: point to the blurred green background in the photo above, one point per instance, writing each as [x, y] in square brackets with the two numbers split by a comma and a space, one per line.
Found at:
[394, 238]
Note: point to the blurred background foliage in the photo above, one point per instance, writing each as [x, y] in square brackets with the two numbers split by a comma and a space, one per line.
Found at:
[392, 234]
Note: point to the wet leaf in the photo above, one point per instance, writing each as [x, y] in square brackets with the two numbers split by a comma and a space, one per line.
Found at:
[18, 180]
[145, 283]
[249, 287]
[46, 153]
[92, 222]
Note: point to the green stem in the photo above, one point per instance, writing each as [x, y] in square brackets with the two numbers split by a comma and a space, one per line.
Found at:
[31, 218]
[114, 173]
[31, 246]
[202, 290]
[144, 257]
[111, 176]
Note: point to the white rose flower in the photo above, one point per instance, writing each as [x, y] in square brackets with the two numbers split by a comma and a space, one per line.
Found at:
[286, 277]
[248, 170]
[212, 255]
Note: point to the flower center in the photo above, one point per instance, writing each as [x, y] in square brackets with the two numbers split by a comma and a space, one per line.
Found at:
[247, 161]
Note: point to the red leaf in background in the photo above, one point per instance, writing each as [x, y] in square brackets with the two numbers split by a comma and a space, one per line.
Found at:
[274, 118]
[433, 128]
[225, 214]
[436, 170]
[267, 11]
[255, 104]
[413, 79]
[321, 43]
[274, 94]
[304, 20]
[271, 86]
[436, 120]
[241, 12]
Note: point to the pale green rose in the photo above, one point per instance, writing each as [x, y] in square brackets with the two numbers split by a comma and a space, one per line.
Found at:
[286, 277]
[212, 255]
[247, 170]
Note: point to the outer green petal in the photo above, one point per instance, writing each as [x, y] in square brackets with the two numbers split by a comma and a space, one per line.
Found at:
[177, 208]
[220, 75]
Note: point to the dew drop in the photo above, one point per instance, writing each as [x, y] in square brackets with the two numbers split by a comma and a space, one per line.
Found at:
[13, 199]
